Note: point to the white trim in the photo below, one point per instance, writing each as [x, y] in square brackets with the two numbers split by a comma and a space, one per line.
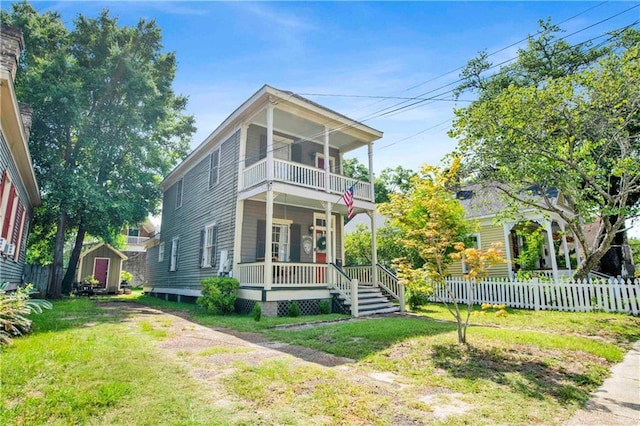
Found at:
[465, 269]
[205, 262]
[219, 151]
[332, 161]
[322, 216]
[173, 264]
[106, 280]
[161, 252]
[181, 182]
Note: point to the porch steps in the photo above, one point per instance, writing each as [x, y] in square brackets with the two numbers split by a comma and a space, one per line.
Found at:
[371, 301]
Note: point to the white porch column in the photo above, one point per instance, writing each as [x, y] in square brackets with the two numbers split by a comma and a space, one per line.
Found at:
[507, 248]
[327, 168]
[268, 270]
[565, 247]
[374, 252]
[269, 142]
[552, 250]
[371, 174]
[237, 240]
[329, 237]
[242, 156]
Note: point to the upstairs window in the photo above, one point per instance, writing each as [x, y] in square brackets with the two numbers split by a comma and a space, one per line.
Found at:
[179, 193]
[214, 168]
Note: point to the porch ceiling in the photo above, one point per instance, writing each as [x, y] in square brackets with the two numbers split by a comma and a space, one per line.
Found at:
[344, 139]
[306, 198]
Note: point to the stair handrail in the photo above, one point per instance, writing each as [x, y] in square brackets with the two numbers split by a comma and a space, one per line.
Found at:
[391, 284]
[341, 282]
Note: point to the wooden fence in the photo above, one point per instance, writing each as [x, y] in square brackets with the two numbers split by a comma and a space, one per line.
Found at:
[38, 276]
[613, 295]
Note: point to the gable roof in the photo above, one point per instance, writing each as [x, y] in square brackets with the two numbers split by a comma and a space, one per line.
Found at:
[97, 246]
[482, 200]
[252, 105]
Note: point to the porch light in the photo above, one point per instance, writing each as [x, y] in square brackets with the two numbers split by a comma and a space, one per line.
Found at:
[311, 228]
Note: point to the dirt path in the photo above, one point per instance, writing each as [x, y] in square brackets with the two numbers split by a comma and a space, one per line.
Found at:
[209, 355]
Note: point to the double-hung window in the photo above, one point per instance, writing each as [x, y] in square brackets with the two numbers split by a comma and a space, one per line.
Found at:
[280, 239]
[173, 261]
[161, 252]
[214, 168]
[474, 242]
[179, 193]
[209, 246]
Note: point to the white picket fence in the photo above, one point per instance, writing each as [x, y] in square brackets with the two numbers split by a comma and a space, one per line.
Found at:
[614, 295]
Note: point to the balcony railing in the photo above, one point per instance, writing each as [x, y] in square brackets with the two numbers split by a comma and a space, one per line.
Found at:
[136, 240]
[306, 176]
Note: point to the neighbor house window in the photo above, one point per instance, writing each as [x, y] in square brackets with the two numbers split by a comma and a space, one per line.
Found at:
[161, 252]
[214, 169]
[280, 240]
[209, 243]
[173, 261]
[474, 242]
[178, 193]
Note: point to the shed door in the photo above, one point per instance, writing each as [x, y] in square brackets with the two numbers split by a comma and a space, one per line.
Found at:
[100, 270]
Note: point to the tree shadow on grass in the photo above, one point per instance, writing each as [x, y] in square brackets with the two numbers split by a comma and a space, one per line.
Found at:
[78, 312]
[530, 377]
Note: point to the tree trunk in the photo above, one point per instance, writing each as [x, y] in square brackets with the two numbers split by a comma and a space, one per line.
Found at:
[55, 283]
[75, 257]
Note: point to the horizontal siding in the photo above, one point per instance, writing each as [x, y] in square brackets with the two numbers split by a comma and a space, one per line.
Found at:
[488, 235]
[201, 206]
[255, 210]
[10, 269]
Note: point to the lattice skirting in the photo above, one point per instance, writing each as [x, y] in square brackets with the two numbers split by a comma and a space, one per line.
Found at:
[244, 306]
[307, 307]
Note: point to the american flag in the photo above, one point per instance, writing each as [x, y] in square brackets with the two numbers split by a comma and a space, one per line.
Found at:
[348, 200]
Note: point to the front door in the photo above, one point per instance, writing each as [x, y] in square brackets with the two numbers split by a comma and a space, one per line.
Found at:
[321, 252]
[101, 270]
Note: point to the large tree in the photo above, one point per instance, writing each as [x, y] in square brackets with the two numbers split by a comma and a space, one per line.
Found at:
[561, 117]
[107, 123]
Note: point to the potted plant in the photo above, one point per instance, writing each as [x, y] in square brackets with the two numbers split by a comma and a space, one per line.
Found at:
[125, 278]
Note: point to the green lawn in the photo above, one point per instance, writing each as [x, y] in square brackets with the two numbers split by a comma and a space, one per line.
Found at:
[87, 364]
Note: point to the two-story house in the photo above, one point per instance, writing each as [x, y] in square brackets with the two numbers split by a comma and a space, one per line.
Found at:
[261, 199]
[19, 192]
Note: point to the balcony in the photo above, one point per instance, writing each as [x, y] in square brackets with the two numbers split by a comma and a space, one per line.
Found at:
[136, 241]
[304, 176]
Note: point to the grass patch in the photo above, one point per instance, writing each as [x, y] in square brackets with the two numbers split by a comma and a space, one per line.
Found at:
[91, 364]
[619, 329]
[219, 350]
[106, 373]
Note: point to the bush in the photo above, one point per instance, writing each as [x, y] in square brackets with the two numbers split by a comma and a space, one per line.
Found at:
[219, 294]
[256, 312]
[13, 308]
[325, 307]
[416, 298]
[294, 309]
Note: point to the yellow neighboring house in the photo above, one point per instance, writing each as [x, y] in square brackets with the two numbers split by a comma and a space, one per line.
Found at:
[484, 205]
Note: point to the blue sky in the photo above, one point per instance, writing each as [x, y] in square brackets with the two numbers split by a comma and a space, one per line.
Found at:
[228, 50]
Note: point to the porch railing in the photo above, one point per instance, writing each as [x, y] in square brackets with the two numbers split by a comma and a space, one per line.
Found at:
[250, 273]
[386, 280]
[284, 274]
[390, 283]
[306, 176]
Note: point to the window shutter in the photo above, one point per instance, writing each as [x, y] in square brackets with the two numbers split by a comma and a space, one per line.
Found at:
[262, 225]
[7, 215]
[263, 146]
[177, 252]
[214, 245]
[4, 179]
[202, 243]
[295, 242]
[296, 153]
